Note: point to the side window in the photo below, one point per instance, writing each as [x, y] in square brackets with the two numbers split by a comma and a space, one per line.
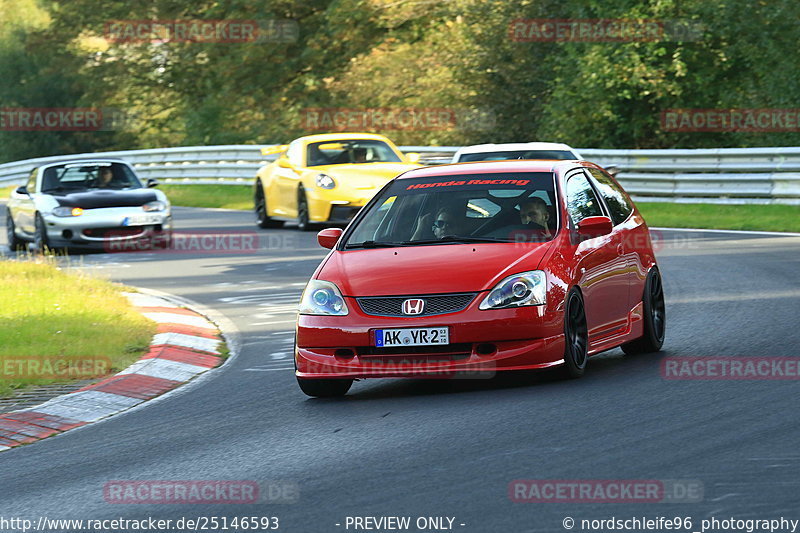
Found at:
[581, 200]
[293, 153]
[618, 205]
[31, 185]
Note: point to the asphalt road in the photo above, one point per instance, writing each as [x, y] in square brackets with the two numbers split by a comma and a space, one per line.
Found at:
[422, 448]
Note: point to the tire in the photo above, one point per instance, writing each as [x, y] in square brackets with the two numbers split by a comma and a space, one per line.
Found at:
[263, 221]
[303, 220]
[325, 388]
[654, 317]
[14, 242]
[576, 336]
[40, 243]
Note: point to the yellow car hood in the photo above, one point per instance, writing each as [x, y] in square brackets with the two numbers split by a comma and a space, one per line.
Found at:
[363, 176]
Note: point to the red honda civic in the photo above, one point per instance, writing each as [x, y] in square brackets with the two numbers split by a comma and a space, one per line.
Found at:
[470, 269]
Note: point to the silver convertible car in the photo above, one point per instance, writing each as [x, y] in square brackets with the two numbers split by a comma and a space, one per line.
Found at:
[97, 203]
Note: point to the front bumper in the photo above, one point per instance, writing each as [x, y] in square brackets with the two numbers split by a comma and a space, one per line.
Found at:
[481, 343]
[343, 214]
[107, 228]
[334, 207]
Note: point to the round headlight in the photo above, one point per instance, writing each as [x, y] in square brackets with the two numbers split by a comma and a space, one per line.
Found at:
[519, 289]
[321, 297]
[324, 181]
[524, 289]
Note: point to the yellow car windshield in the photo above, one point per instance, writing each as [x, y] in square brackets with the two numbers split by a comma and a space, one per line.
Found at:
[349, 152]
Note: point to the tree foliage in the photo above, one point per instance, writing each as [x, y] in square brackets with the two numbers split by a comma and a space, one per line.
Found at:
[420, 54]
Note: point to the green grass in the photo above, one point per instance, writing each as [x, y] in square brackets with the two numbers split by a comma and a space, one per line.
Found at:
[221, 196]
[714, 216]
[708, 216]
[47, 315]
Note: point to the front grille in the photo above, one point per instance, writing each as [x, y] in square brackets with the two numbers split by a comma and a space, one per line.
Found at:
[114, 232]
[435, 304]
[403, 363]
[459, 350]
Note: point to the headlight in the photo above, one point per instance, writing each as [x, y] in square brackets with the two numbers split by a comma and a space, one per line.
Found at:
[325, 182]
[322, 298]
[154, 206]
[64, 211]
[526, 288]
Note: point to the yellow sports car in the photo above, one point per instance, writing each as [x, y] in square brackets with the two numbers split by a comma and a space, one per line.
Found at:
[325, 178]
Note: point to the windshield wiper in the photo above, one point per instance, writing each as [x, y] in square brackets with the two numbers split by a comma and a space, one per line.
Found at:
[456, 239]
[373, 244]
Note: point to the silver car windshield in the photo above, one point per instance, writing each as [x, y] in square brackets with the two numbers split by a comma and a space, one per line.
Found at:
[503, 155]
[72, 177]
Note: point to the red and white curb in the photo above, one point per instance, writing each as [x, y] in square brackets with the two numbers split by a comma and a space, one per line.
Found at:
[185, 346]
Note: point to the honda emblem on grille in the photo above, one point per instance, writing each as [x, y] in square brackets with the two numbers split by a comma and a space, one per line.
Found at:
[413, 306]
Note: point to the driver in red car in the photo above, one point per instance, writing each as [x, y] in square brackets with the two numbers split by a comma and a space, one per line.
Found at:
[534, 213]
[443, 224]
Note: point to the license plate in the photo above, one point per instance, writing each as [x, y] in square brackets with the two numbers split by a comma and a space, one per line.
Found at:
[411, 337]
[141, 220]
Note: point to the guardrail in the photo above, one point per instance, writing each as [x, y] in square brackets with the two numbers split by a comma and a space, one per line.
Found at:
[722, 175]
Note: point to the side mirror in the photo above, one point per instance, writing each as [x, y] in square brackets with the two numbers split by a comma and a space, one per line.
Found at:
[284, 163]
[413, 157]
[591, 227]
[328, 238]
[152, 182]
[22, 189]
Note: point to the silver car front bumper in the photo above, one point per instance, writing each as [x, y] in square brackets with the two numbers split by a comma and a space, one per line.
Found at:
[109, 227]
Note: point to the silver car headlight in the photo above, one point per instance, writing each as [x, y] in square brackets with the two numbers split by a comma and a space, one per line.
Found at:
[154, 206]
[526, 288]
[324, 181]
[322, 298]
[64, 211]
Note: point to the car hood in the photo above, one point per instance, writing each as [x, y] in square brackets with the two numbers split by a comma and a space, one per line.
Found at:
[431, 269]
[364, 174]
[106, 198]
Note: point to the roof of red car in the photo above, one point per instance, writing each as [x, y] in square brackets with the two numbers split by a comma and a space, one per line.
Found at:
[489, 167]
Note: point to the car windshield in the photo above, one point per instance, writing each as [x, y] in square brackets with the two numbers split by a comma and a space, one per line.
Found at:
[502, 155]
[347, 152]
[73, 177]
[470, 208]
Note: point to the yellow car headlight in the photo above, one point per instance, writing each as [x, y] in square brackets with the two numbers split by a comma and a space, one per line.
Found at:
[324, 181]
